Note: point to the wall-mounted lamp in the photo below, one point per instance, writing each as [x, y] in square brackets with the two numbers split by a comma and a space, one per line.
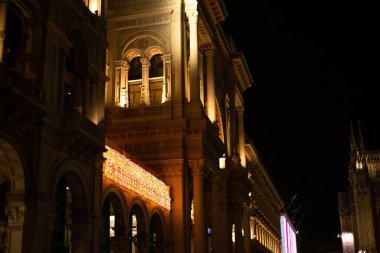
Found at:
[222, 162]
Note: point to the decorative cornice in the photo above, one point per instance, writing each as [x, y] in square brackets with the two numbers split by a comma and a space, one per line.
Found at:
[241, 69]
[143, 21]
[208, 49]
[217, 10]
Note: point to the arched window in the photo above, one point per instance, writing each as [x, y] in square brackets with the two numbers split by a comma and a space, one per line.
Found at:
[156, 78]
[76, 73]
[113, 224]
[156, 235]
[70, 217]
[137, 235]
[15, 39]
[5, 187]
[63, 221]
[69, 86]
[134, 82]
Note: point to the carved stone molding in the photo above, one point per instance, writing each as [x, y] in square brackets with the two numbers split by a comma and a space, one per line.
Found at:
[145, 62]
[167, 58]
[159, 20]
[197, 167]
[116, 4]
[208, 49]
[15, 214]
[192, 16]
[122, 64]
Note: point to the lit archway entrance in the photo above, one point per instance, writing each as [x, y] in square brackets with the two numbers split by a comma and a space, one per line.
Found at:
[156, 235]
[71, 210]
[136, 232]
[113, 238]
[12, 207]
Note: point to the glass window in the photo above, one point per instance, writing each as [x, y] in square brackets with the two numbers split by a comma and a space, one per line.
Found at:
[156, 79]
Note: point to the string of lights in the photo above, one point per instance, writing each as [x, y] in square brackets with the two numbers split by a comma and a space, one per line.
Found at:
[131, 176]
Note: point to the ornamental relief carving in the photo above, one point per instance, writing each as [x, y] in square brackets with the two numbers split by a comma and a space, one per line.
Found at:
[15, 214]
[208, 49]
[170, 170]
[197, 167]
[173, 171]
[151, 21]
[116, 4]
[152, 147]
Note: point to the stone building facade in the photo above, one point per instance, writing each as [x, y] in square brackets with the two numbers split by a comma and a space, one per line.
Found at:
[359, 207]
[109, 107]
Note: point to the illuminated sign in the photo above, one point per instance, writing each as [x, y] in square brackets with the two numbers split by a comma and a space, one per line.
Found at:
[288, 235]
[348, 243]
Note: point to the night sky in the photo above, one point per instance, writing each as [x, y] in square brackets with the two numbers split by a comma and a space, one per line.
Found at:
[315, 66]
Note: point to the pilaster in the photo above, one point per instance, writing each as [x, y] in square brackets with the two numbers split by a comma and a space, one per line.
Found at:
[3, 18]
[199, 231]
[210, 105]
[240, 113]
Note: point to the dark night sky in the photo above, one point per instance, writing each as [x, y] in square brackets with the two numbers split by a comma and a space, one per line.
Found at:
[315, 65]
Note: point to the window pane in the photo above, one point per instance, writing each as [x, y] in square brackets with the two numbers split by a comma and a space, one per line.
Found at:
[135, 70]
[156, 66]
[155, 90]
[134, 94]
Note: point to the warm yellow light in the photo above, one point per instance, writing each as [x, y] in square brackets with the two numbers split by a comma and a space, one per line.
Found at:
[131, 176]
[93, 6]
[222, 162]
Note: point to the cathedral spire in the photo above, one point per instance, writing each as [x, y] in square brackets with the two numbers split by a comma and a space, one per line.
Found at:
[358, 156]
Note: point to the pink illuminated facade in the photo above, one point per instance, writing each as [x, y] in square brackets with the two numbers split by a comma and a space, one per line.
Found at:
[288, 235]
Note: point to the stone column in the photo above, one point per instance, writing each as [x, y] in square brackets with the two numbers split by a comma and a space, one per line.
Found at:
[81, 237]
[15, 212]
[215, 209]
[200, 244]
[192, 15]
[240, 112]
[145, 96]
[121, 83]
[247, 230]
[179, 237]
[177, 68]
[201, 81]
[211, 103]
[238, 228]
[3, 18]
[166, 85]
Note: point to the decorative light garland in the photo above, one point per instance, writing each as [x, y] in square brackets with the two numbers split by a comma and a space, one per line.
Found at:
[131, 176]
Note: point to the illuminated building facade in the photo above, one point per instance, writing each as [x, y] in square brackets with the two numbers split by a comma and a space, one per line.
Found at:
[122, 130]
[359, 208]
[266, 206]
[174, 101]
